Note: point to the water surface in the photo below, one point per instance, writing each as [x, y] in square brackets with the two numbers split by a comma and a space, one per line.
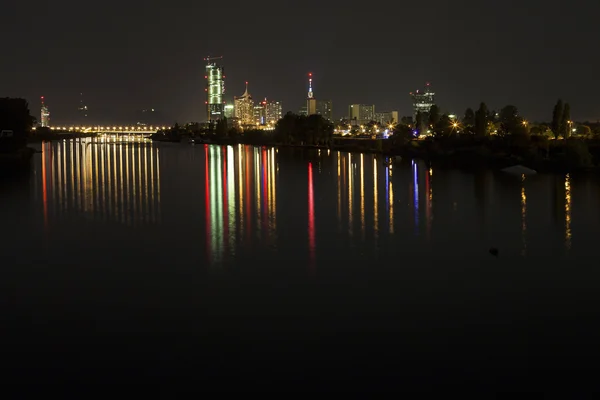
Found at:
[259, 268]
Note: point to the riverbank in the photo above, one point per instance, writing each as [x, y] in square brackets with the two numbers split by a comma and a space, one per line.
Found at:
[470, 153]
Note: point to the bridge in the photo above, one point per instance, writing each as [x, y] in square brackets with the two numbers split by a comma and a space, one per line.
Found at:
[110, 129]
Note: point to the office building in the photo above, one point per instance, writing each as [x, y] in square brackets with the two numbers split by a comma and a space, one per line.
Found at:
[244, 108]
[360, 114]
[45, 115]
[260, 115]
[422, 101]
[386, 117]
[274, 111]
[229, 111]
[324, 109]
[215, 88]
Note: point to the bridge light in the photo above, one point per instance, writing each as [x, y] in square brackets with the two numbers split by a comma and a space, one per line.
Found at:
[120, 128]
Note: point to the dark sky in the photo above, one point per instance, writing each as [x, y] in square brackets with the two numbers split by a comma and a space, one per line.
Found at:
[128, 55]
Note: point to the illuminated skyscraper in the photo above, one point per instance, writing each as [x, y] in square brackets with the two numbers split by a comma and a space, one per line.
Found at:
[274, 111]
[422, 101]
[45, 115]
[215, 88]
[244, 108]
[260, 113]
[229, 111]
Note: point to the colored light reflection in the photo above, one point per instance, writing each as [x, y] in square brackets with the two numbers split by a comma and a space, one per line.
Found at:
[523, 216]
[375, 205]
[362, 195]
[101, 181]
[568, 233]
[415, 171]
[311, 215]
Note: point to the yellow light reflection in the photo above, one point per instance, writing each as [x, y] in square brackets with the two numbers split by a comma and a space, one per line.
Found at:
[231, 195]
[391, 192]
[350, 179]
[568, 211]
[375, 205]
[523, 216]
[362, 196]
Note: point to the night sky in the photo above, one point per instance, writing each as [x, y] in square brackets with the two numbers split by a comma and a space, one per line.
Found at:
[129, 55]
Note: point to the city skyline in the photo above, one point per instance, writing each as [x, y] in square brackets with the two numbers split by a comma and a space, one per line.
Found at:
[122, 68]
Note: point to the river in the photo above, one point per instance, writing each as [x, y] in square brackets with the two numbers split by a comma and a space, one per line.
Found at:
[248, 268]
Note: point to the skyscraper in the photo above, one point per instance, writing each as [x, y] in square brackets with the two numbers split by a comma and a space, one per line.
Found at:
[274, 111]
[215, 88]
[244, 108]
[422, 101]
[361, 113]
[44, 115]
[324, 109]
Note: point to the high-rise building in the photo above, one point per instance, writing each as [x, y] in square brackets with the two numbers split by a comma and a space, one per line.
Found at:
[422, 101]
[274, 112]
[311, 102]
[360, 114]
[229, 111]
[244, 108]
[260, 113]
[324, 109]
[215, 88]
[44, 115]
[386, 117]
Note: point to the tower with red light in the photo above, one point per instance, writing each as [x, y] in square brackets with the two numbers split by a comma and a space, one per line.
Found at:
[44, 114]
[311, 102]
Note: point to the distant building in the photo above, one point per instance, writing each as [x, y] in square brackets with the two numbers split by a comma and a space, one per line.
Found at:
[324, 109]
[303, 111]
[44, 115]
[386, 117]
[244, 108]
[229, 111]
[422, 101]
[215, 88]
[260, 114]
[360, 114]
[274, 111]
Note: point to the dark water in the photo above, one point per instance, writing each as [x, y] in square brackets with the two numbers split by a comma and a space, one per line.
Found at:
[241, 269]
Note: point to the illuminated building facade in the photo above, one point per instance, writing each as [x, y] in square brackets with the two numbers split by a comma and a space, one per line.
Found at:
[387, 117]
[260, 115]
[422, 101]
[244, 108]
[44, 115]
[274, 111]
[360, 114]
[229, 111]
[215, 88]
[324, 109]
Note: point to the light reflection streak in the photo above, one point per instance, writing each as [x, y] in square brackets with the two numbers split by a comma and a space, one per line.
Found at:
[207, 202]
[523, 216]
[350, 193]
[568, 233]
[45, 184]
[339, 191]
[415, 171]
[428, 201]
[375, 198]
[231, 195]
[93, 180]
[362, 196]
[311, 216]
